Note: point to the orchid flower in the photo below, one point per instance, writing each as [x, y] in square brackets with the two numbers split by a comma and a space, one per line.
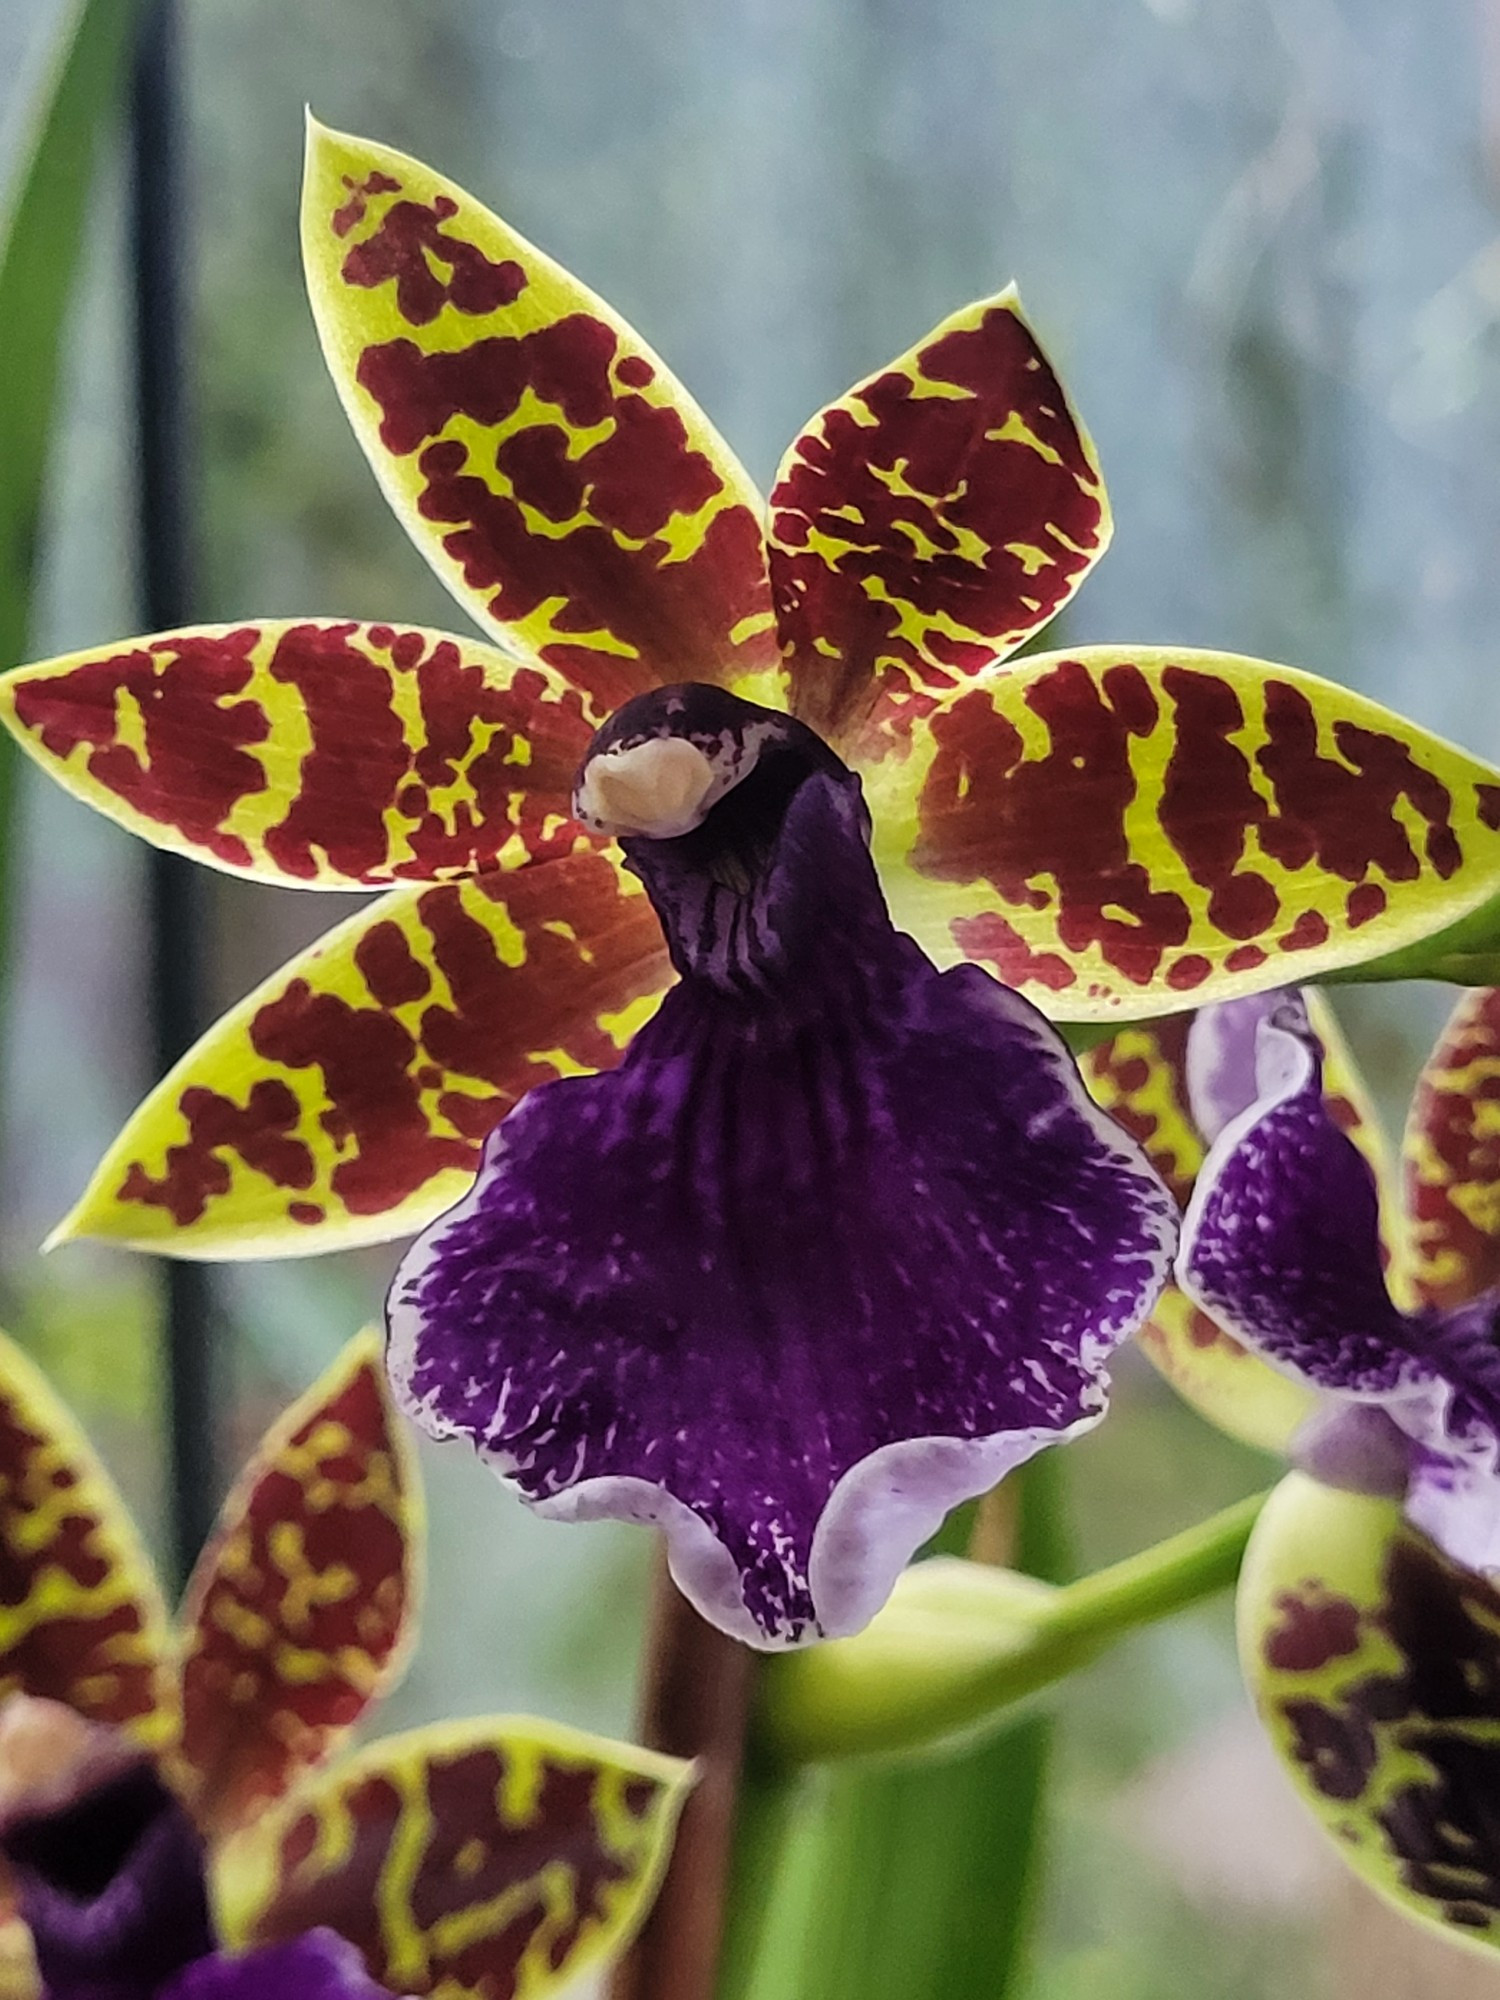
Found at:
[110, 1876]
[1282, 1248]
[219, 1736]
[1369, 1617]
[840, 1240]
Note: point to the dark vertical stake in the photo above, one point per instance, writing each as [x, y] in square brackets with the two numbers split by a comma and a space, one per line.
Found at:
[175, 899]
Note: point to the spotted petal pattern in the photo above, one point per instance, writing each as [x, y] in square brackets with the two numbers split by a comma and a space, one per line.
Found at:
[1451, 1159]
[544, 460]
[840, 1243]
[1281, 1240]
[346, 1100]
[1375, 1665]
[299, 1613]
[81, 1617]
[1114, 831]
[497, 1857]
[928, 522]
[319, 753]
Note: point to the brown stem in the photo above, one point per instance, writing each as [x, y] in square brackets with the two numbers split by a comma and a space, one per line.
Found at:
[695, 1702]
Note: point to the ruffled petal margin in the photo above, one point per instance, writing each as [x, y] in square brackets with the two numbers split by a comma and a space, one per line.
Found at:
[1281, 1242]
[800, 1276]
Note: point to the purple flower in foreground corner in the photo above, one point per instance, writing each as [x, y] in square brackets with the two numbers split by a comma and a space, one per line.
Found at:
[1281, 1246]
[840, 1242]
[109, 1873]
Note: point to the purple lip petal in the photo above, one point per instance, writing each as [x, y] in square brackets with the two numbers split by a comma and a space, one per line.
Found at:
[1220, 1060]
[840, 1242]
[1280, 1243]
[319, 1966]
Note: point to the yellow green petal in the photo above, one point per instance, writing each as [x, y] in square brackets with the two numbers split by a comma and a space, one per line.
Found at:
[301, 1610]
[1451, 1158]
[558, 478]
[81, 1614]
[320, 753]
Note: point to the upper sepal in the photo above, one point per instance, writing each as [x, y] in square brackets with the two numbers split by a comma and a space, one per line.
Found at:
[1126, 833]
[501, 1856]
[1375, 1665]
[345, 1101]
[319, 753]
[558, 478]
[927, 523]
[81, 1615]
[301, 1610]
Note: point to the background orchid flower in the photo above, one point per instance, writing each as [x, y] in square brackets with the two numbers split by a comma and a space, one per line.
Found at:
[298, 1617]
[1281, 1246]
[1115, 831]
[1141, 1077]
[1369, 1621]
[815, 1131]
[110, 1874]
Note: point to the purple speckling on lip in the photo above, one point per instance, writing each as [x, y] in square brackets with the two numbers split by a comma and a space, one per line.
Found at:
[1281, 1246]
[839, 1243]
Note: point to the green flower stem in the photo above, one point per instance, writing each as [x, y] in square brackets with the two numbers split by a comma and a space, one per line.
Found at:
[960, 1645]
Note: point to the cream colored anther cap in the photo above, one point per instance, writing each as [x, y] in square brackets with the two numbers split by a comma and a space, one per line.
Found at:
[658, 788]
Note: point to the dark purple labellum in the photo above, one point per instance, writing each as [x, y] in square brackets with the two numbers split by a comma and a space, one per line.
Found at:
[840, 1242]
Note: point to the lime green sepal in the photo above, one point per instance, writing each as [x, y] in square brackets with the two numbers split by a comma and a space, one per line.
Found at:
[1374, 1663]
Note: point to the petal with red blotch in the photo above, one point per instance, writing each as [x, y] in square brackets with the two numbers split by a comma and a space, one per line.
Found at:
[346, 1100]
[502, 1856]
[1451, 1158]
[557, 477]
[1375, 1665]
[319, 753]
[300, 1611]
[927, 523]
[81, 1615]
[1139, 1078]
[1122, 834]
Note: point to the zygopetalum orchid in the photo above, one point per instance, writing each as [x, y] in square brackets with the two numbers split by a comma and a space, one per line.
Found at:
[1370, 1627]
[109, 1872]
[498, 1855]
[840, 1240]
